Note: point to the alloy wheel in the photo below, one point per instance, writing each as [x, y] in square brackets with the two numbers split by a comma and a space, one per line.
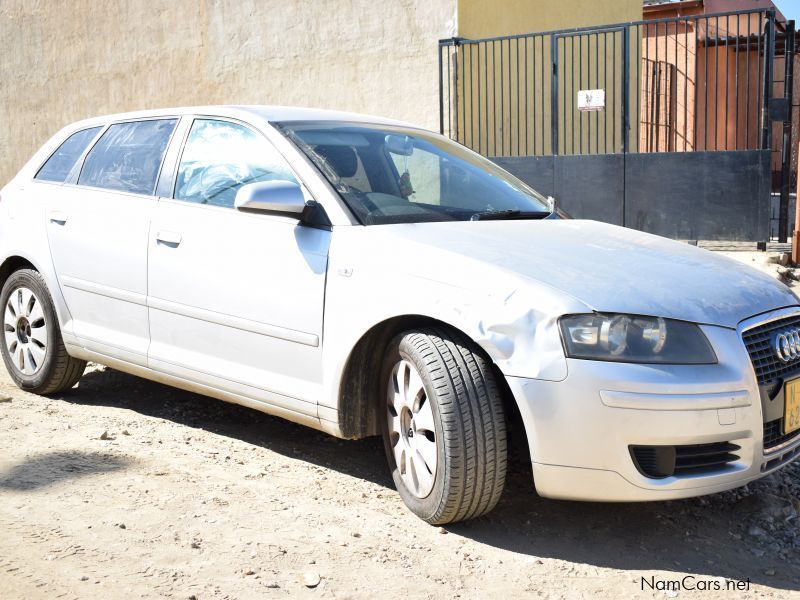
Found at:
[25, 330]
[412, 433]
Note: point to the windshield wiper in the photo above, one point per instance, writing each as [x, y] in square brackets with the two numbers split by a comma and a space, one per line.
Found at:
[512, 213]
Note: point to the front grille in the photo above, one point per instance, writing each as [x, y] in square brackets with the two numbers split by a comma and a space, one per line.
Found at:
[774, 436]
[758, 340]
[666, 461]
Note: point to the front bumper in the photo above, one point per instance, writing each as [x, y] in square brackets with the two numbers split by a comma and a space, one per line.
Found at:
[580, 429]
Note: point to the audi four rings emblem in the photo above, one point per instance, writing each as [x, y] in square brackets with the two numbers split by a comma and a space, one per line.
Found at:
[787, 345]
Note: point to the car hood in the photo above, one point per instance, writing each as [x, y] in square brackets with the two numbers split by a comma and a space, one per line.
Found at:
[607, 268]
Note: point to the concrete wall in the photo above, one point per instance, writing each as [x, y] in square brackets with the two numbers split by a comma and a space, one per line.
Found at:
[64, 60]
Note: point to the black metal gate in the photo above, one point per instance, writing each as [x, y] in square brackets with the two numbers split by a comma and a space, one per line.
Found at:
[663, 125]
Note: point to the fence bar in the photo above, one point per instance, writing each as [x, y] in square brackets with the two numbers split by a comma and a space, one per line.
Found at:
[695, 137]
[571, 96]
[747, 93]
[554, 94]
[788, 80]
[716, 84]
[494, 100]
[736, 95]
[727, 73]
[541, 62]
[769, 57]
[527, 151]
[519, 101]
[597, 82]
[705, 87]
[486, 91]
[626, 76]
[588, 85]
[657, 87]
[685, 81]
[510, 137]
[638, 87]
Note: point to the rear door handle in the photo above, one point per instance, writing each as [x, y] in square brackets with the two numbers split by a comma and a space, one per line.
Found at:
[168, 238]
[58, 217]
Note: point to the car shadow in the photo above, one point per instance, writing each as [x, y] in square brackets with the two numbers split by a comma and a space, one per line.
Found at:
[708, 537]
[43, 470]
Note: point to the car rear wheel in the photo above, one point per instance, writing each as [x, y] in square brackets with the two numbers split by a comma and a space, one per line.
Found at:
[32, 348]
[444, 426]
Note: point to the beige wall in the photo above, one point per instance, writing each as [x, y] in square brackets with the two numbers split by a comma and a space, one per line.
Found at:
[67, 60]
[485, 18]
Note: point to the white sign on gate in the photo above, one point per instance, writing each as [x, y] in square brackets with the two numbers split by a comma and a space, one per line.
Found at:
[591, 100]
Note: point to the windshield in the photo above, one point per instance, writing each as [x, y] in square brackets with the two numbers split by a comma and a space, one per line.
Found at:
[390, 174]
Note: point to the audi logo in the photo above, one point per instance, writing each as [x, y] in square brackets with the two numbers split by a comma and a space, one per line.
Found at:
[787, 345]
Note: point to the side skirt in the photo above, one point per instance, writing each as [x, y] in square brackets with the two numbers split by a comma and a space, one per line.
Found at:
[206, 390]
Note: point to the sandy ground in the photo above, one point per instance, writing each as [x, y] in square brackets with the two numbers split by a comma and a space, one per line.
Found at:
[189, 497]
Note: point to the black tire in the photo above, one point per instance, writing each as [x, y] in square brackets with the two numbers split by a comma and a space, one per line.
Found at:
[470, 426]
[58, 371]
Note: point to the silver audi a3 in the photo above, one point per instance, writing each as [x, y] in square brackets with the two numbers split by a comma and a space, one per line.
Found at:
[365, 277]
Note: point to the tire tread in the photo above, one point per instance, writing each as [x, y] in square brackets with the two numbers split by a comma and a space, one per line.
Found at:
[472, 419]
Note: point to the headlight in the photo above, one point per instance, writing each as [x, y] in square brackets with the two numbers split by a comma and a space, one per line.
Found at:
[635, 339]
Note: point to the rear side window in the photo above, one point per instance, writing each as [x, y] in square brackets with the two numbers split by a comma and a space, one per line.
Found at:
[128, 156]
[60, 163]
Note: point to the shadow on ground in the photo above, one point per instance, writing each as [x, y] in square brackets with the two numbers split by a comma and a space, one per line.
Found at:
[703, 536]
[48, 469]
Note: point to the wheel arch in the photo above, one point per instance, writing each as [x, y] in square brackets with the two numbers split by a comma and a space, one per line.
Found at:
[357, 409]
[15, 263]
[20, 260]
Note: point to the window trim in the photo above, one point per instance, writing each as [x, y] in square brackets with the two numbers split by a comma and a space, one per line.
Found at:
[75, 174]
[101, 129]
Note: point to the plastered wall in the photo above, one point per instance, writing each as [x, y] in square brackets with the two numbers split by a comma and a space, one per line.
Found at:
[67, 60]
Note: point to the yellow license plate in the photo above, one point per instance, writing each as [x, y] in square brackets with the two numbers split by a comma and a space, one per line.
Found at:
[791, 399]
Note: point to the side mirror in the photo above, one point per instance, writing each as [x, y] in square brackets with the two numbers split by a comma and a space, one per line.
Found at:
[284, 197]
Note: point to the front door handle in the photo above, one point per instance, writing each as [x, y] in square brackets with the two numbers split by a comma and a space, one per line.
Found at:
[168, 238]
[58, 217]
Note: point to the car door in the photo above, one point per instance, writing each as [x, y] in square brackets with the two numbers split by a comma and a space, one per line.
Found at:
[235, 298]
[98, 227]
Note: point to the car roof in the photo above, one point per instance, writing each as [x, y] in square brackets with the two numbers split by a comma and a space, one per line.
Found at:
[245, 112]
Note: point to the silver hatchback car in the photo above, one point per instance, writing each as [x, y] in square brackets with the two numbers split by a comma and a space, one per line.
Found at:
[366, 277]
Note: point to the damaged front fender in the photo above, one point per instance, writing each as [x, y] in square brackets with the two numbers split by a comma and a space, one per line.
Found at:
[519, 331]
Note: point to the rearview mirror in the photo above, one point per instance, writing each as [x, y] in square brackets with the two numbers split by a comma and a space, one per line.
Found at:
[401, 145]
[284, 197]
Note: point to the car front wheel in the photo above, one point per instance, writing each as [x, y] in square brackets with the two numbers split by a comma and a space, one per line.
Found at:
[32, 348]
[443, 425]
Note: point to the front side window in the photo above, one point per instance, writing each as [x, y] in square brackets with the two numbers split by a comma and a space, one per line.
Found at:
[389, 174]
[128, 156]
[220, 157]
[60, 163]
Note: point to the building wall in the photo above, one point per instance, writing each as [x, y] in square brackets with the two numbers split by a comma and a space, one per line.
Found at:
[64, 60]
[482, 18]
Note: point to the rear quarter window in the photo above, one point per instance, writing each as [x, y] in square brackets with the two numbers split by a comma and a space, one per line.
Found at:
[60, 163]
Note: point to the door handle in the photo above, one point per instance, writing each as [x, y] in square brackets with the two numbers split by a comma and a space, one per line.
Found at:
[58, 217]
[168, 238]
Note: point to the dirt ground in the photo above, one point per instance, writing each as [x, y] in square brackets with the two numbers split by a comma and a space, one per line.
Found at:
[123, 488]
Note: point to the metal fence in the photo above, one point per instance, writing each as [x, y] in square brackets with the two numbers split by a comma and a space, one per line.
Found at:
[695, 83]
[682, 84]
